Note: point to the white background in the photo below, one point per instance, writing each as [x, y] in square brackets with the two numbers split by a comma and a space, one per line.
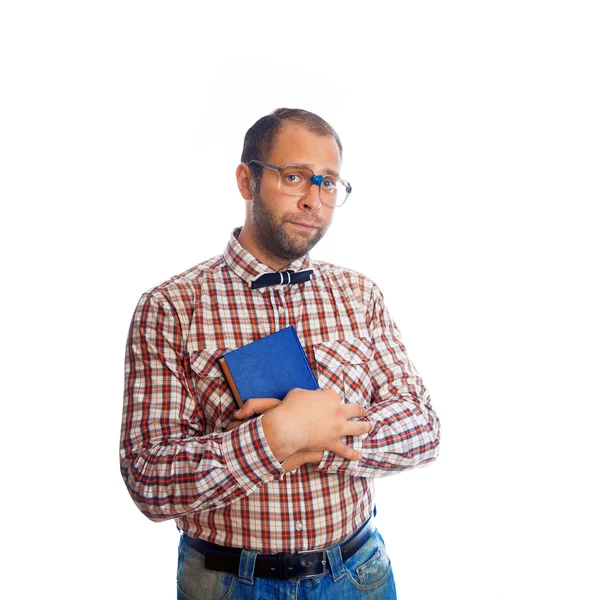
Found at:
[471, 134]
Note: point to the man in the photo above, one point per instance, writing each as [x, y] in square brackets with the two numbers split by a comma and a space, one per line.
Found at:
[279, 505]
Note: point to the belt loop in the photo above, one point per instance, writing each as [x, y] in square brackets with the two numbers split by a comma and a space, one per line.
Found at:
[247, 562]
[336, 564]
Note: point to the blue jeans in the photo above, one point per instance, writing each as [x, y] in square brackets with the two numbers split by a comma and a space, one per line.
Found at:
[366, 574]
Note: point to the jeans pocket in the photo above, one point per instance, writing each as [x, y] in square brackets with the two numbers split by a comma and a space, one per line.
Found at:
[370, 567]
[374, 570]
[196, 582]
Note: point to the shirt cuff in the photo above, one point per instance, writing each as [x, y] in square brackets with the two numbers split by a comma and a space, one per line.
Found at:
[249, 457]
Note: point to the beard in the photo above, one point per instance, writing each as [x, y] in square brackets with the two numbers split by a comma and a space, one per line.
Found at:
[271, 235]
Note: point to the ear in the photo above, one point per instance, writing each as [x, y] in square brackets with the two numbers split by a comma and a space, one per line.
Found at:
[243, 174]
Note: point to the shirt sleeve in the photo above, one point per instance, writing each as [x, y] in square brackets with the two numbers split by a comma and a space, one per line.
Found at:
[406, 429]
[169, 467]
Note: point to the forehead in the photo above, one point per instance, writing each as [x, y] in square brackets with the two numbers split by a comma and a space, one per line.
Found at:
[297, 145]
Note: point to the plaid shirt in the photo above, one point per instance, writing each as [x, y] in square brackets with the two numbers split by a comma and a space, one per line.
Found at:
[227, 487]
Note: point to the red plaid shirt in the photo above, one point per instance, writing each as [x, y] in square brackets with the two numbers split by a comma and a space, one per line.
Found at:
[227, 487]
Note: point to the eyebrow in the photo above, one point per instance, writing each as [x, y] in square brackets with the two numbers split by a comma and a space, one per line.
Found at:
[332, 172]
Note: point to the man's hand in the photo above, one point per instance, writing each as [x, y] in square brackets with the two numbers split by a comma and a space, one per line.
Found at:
[259, 406]
[252, 406]
[308, 422]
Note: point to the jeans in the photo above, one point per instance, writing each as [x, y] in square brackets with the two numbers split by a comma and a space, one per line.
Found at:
[366, 574]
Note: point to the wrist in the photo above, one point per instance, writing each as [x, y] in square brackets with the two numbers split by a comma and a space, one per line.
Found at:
[280, 440]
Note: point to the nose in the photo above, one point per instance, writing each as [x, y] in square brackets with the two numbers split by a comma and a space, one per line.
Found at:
[312, 199]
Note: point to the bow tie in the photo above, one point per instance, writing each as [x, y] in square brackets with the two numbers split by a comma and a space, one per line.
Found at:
[282, 278]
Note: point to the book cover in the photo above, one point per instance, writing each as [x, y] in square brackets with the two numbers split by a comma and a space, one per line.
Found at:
[268, 368]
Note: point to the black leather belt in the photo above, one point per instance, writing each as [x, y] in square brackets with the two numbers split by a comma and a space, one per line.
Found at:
[279, 566]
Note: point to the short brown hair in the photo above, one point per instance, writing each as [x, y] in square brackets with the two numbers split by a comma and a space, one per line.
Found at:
[261, 136]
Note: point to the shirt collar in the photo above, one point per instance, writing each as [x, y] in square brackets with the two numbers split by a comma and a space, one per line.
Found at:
[247, 267]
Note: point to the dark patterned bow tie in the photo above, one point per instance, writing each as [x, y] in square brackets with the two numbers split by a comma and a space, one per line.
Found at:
[282, 278]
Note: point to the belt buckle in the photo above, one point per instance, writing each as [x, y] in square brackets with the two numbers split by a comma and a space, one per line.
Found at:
[323, 563]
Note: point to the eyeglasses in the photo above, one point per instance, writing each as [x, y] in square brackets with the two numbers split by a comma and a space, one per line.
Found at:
[297, 181]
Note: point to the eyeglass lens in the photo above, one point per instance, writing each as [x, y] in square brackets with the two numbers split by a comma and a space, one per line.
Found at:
[297, 181]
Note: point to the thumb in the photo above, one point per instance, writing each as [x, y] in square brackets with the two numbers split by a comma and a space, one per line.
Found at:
[255, 406]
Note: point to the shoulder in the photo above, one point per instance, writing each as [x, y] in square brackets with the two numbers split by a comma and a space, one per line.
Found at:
[182, 290]
[342, 277]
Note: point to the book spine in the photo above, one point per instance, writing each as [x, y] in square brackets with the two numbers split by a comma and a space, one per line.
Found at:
[231, 382]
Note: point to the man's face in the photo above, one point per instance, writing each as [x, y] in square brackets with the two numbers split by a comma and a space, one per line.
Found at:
[286, 227]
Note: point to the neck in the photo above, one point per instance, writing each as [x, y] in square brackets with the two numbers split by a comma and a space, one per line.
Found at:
[246, 242]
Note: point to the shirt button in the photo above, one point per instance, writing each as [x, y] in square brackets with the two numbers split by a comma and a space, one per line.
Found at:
[299, 526]
[281, 309]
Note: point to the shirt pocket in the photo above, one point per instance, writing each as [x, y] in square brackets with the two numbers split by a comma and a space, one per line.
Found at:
[214, 399]
[344, 367]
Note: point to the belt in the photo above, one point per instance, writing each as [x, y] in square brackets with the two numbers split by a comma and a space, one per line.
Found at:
[279, 566]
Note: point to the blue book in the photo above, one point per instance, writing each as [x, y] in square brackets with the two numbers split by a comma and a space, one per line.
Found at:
[268, 368]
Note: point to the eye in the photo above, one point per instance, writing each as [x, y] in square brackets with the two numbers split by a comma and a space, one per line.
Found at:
[293, 177]
[329, 185]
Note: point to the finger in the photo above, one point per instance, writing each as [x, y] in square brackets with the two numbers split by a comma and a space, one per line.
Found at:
[351, 411]
[291, 463]
[255, 406]
[346, 452]
[357, 428]
[302, 458]
[234, 425]
[330, 394]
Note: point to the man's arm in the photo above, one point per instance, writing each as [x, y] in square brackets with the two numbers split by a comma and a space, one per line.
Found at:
[399, 431]
[309, 422]
[170, 468]
[405, 431]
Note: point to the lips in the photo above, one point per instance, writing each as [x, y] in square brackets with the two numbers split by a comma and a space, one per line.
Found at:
[307, 225]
